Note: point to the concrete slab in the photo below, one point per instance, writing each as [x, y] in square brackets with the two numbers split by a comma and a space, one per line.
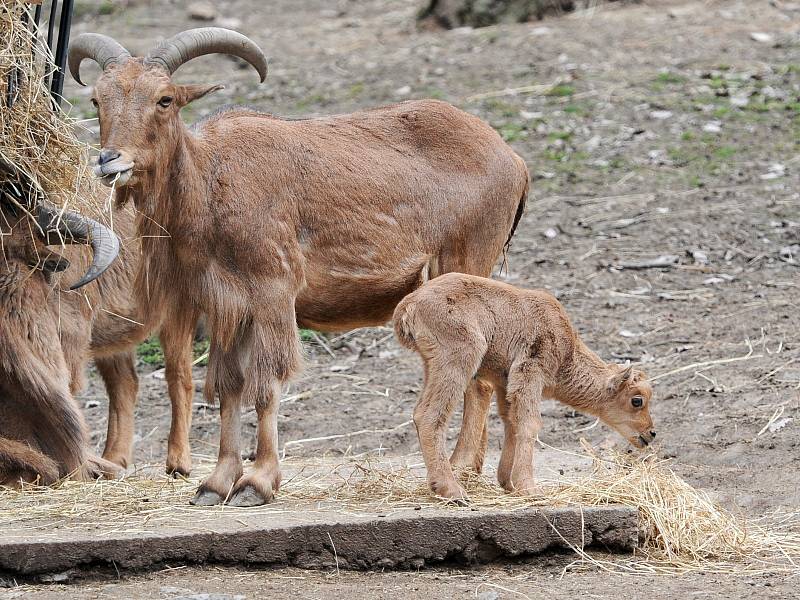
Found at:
[403, 539]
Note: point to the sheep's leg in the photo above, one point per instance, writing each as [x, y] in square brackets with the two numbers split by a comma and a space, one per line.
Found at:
[473, 438]
[274, 358]
[225, 377]
[176, 337]
[509, 442]
[260, 484]
[524, 396]
[122, 384]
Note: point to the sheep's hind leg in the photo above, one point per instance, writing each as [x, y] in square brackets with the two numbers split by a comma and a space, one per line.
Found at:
[509, 442]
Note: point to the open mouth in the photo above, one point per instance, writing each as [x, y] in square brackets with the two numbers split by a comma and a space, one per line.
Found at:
[114, 173]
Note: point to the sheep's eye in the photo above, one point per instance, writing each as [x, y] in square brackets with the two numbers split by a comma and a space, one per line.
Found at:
[94, 102]
[165, 101]
[637, 402]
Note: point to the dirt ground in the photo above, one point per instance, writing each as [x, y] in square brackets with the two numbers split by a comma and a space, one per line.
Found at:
[664, 130]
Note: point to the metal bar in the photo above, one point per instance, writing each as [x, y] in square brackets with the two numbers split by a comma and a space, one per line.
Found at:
[57, 85]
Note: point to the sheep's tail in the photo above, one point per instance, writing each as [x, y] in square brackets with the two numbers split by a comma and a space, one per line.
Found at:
[520, 211]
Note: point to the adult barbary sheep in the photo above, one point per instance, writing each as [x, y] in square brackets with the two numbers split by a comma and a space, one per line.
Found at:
[48, 335]
[522, 341]
[325, 222]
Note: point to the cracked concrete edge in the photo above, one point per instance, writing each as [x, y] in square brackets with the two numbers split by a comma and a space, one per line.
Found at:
[391, 543]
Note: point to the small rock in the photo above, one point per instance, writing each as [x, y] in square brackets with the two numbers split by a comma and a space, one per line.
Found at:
[779, 424]
[662, 210]
[628, 334]
[202, 11]
[91, 404]
[775, 171]
[700, 257]
[541, 31]
[740, 100]
[593, 143]
[403, 91]
[712, 127]
[488, 595]
[550, 233]
[340, 368]
[661, 115]
[530, 115]
[761, 37]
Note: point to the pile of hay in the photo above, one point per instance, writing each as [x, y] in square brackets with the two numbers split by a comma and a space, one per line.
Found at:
[39, 153]
[681, 528]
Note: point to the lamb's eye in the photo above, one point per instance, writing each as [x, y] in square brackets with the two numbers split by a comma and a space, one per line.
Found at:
[637, 402]
[165, 101]
[94, 102]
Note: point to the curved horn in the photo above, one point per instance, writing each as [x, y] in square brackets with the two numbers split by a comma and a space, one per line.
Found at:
[100, 48]
[71, 228]
[183, 47]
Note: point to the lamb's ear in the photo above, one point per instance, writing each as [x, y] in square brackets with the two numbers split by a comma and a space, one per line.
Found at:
[617, 380]
[190, 93]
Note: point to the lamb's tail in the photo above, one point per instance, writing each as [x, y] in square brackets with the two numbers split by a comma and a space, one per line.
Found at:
[403, 318]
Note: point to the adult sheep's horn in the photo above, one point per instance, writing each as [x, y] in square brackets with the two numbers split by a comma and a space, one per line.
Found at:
[68, 227]
[183, 47]
[102, 49]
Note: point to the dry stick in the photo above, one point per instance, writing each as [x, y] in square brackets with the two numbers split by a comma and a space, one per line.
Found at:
[339, 436]
[526, 89]
[707, 363]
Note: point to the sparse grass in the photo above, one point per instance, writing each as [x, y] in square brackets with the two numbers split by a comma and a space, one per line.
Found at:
[511, 132]
[561, 91]
[670, 78]
[501, 107]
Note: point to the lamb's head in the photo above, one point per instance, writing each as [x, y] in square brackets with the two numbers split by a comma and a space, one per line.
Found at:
[138, 103]
[626, 406]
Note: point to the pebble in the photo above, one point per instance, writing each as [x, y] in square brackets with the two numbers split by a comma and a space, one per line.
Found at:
[202, 11]
[712, 127]
[403, 91]
[550, 233]
[761, 37]
[661, 115]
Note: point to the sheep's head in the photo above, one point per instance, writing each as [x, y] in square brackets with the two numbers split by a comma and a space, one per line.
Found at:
[138, 103]
[627, 405]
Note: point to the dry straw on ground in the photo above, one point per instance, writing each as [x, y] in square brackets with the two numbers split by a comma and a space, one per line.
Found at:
[682, 529]
[38, 146]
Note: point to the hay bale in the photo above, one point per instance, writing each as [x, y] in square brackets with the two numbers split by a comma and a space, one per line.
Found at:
[40, 156]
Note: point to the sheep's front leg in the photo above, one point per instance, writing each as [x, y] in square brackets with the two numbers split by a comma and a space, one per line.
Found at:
[274, 358]
[119, 376]
[524, 395]
[177, 336]
[224, 377]
[473, 438]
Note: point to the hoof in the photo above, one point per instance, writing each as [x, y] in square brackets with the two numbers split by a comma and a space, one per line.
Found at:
[177, 472]
[452, 494]
[248, 496]
[206, 498]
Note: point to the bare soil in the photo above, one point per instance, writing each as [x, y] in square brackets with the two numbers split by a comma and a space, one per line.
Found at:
[662, 130]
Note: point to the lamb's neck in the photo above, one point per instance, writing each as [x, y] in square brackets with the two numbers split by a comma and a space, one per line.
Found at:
[583, 380]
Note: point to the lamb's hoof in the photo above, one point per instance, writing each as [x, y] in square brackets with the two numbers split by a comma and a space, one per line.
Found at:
[246, 497]
[177, 472]
[206, 498]
[452, 494]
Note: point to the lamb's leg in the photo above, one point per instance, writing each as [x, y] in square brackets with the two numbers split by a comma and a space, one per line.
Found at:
[442, 390]
[119, 376]
[473, 438]
[176, 337]
[524, 394]
[274, 358]
[509, 442]
[224, 377]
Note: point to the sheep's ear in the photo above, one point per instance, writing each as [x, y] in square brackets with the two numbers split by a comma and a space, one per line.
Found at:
[190, 93]
[617, 380]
